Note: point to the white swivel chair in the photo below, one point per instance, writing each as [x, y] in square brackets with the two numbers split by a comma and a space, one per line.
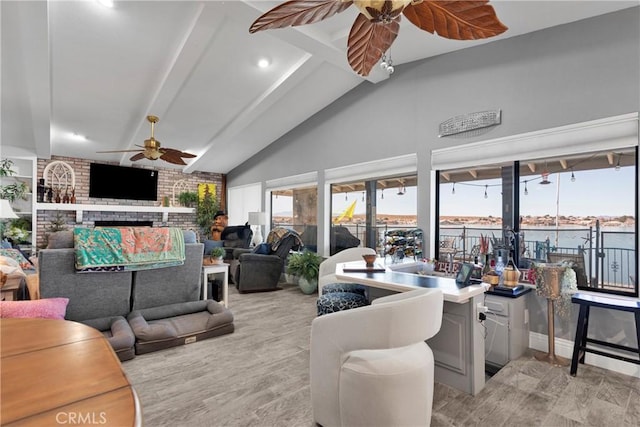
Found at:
[370, 366]
[327, 270]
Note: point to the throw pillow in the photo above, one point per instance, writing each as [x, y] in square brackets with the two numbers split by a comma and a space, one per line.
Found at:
[60, 240]
[189, 236]
[210, 244]
[48, 308]
[262, 249]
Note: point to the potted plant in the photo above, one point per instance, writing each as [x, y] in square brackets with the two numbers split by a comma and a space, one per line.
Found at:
[13, 191]
[294, 266]
[205, 212]
[309, 264]
[18, 231]
[217, 254]
[188, 199]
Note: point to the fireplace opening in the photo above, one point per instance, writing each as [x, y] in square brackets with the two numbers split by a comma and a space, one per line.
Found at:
[123, 223]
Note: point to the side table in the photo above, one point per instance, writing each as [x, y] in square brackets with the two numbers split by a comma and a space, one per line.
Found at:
[213, 269]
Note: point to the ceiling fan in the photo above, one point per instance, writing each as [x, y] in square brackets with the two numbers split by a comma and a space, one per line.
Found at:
[378, 23]
[152, 150]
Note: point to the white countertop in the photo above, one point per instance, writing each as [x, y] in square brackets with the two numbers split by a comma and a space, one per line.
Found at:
[402, 281]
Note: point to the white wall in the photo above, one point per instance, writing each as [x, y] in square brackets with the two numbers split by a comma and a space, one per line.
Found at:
[568, 74]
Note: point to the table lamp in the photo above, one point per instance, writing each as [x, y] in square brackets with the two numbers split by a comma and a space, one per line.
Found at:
[258, 219]
[5, 213]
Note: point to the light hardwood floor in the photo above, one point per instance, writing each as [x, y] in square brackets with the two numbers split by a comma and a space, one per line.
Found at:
[259, 376]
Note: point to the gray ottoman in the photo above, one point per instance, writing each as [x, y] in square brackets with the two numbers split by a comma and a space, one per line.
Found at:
[338, 301]
[354, 288]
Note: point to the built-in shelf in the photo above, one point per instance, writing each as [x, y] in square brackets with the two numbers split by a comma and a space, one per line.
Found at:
[80, 208]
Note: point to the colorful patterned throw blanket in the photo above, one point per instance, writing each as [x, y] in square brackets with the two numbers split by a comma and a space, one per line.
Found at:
[127, 248]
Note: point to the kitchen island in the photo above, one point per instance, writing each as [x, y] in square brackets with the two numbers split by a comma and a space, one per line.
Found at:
[459, 346]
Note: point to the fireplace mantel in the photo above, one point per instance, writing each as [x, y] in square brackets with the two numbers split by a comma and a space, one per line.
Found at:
[80, 208]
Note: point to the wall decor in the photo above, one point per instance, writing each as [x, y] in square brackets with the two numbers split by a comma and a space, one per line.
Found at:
[60, 178]
[469, 122]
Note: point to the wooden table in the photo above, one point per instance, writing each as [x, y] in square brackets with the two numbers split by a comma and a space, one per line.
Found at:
[58, 372]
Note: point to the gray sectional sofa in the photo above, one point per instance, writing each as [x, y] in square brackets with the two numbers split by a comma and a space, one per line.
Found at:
[137, 311]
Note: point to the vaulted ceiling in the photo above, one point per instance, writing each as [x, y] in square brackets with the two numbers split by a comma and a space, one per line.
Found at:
[78, 78]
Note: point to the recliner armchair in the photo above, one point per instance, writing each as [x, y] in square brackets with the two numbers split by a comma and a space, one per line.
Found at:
[259, 272]
[234, 237]
[371, 365]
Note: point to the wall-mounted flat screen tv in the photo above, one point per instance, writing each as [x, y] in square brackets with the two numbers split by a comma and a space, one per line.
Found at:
[120, 182]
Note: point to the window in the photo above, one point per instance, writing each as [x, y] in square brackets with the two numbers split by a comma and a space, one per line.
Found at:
[364, 211]
[468, 209]
[580, 207]
[297, 208]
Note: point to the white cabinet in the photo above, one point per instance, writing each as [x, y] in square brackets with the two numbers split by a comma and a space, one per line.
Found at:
[25, 172]
[507, 324]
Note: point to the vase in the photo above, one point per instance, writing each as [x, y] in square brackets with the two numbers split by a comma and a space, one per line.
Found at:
[308, 286]
[290, 278]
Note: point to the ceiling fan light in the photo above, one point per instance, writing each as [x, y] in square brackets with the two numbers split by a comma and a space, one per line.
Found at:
[263, 63]
[379, 6]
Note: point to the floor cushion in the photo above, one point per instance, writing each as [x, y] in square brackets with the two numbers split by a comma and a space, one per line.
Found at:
[338, 301]
[171, 325]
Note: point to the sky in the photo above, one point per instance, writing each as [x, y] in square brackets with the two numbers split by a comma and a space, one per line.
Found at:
[603, 192]
[593, 193]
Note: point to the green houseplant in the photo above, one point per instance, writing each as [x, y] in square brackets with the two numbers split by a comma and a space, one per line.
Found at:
[13, 191]
[294, 266]
[217, 254]
[306, 264]
[188, 199]
[205, 211]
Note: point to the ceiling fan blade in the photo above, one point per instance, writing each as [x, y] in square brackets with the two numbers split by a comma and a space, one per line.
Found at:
[173, 151]
[137, 157]
[368, 41]
[118, 151]
[172, 157]
[298, 12]
[458, 20]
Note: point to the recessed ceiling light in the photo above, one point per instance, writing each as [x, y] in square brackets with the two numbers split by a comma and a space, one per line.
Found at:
[76, 137]
[106, 3]
[263, 63]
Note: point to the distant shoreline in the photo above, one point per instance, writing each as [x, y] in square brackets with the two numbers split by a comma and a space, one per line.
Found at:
[476, 221]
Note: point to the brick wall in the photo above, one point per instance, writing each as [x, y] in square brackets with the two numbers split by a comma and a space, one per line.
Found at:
[166, 180]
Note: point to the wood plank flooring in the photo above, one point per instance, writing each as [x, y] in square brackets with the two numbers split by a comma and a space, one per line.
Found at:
[259, 376]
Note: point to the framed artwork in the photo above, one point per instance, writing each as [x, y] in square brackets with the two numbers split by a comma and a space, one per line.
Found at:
[206, 188]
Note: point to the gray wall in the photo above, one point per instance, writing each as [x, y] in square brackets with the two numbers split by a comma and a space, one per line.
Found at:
[572, 73]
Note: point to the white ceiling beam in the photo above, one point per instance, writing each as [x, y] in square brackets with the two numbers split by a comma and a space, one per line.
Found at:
[331, 49]
[289, 80]
[34, 51]
[204, 25]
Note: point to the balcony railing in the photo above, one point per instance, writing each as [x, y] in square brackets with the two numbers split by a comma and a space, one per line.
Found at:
[609, 256]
